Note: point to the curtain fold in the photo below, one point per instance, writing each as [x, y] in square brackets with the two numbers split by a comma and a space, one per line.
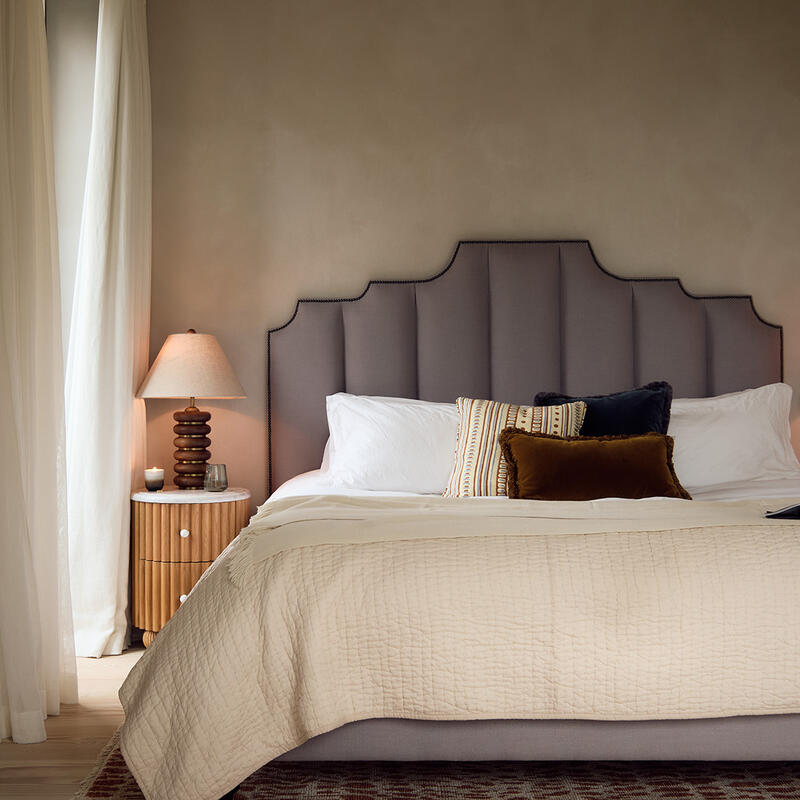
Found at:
[37, 662]
[108, 344]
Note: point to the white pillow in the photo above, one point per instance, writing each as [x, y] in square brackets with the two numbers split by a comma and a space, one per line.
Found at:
[740, 436]
[390, 444]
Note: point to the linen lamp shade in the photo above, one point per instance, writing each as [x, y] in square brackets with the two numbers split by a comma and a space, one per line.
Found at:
[191, 365]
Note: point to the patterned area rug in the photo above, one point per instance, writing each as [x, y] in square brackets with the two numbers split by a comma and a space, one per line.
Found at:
[486, 780]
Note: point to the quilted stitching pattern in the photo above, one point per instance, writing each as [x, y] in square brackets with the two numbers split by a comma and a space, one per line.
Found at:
[685, 623]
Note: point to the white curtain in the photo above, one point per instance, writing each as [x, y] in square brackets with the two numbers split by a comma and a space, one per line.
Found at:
[37, 662]
[108, 344]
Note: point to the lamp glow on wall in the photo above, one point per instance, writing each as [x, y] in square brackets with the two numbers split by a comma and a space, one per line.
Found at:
[191, 365]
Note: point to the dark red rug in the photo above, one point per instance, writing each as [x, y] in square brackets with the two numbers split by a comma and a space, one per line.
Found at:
[486, 780]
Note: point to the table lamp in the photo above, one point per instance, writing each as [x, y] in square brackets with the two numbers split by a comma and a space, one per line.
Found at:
[191, 365]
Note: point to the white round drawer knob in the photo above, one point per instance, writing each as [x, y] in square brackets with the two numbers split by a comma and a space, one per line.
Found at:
[183, 597]
[184, 533]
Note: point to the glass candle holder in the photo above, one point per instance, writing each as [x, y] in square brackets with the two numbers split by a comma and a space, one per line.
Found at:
[216, 478]
[154, 479]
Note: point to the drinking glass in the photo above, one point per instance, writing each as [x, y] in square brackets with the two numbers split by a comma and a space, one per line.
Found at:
[216, 478]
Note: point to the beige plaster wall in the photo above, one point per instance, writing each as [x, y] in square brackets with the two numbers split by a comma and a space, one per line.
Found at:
[301, 148]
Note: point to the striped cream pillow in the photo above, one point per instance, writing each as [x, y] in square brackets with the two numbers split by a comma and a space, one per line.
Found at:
[480, 469]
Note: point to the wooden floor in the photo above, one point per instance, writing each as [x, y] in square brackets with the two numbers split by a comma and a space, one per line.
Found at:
[55, 768]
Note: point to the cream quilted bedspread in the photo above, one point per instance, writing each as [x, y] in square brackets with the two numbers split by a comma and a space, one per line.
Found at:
[327, 610]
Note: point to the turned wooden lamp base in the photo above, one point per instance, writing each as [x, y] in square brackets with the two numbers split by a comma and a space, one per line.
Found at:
[191, 365]
[191, 439]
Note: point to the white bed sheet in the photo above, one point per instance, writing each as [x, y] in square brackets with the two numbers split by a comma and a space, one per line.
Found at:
[318, 482]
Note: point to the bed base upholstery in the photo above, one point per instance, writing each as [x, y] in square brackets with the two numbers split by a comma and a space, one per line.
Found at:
[505, 320]
[758, 738]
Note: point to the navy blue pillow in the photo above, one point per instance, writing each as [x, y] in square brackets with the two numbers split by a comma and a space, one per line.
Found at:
[637, 411]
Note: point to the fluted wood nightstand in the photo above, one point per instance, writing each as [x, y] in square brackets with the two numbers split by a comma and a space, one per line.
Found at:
[175, 535]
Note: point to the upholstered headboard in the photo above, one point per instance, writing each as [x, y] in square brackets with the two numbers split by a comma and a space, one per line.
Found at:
[505, 320]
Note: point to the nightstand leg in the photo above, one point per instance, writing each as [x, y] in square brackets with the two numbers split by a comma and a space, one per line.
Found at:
[147, 638]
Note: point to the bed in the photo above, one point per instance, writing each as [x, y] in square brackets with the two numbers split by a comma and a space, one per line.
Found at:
[521, 316]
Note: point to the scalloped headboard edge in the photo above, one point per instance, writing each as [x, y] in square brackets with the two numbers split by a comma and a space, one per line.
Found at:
[505, 320]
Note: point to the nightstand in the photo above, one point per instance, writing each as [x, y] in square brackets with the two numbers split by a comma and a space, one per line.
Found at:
[175, 535]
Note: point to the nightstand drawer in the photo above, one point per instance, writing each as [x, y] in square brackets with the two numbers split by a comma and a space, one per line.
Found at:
[175, 535]
[186, 532]
[158, 589]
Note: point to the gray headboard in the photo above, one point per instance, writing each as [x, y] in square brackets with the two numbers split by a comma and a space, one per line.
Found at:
[505, 320]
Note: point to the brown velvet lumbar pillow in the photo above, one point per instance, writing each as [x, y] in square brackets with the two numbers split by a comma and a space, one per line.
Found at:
[543, 467]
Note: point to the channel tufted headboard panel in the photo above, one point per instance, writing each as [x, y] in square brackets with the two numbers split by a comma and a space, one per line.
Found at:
[504, 321]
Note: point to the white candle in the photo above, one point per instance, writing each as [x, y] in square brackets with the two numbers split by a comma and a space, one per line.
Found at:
[154, 478]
